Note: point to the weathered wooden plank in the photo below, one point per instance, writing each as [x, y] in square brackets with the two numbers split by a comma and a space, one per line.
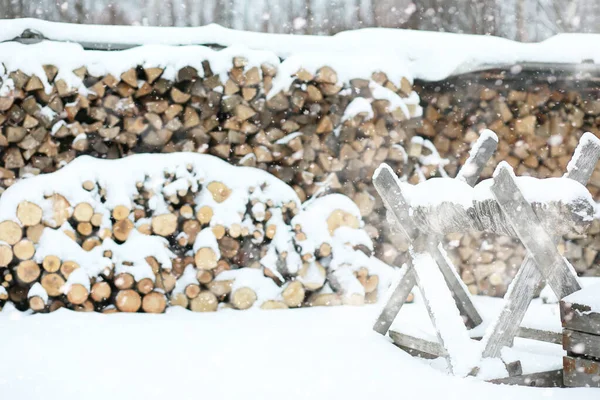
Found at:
[585, 158]
[522, 289]
[396, 301]
[484, 148]
[539, 379]
[538, 334]
[386, 184]
[578, 317]
[581, 372]
[579, 343]
[417, 346]
[459, 290]
[540, 245]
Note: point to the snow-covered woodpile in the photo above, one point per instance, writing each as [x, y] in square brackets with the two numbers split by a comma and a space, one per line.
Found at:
[305, 109]
[148, 231]
[538, 125]
[323, 127]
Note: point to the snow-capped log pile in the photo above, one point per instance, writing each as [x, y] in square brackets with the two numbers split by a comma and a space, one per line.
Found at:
[319, 123]
[149, 231]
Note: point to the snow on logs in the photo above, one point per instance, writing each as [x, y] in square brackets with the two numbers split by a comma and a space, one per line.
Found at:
[146, 232]
[318, 122]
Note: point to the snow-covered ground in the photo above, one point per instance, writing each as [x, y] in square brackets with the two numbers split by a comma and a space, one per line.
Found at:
[318, 353]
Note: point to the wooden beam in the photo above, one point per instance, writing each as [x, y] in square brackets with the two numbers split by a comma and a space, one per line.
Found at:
[536, 240]
[459, 290]
[541, 335]
[539, 379]
[581, 372]
[421, 347]
[579, 317]
[580, 343]
[396, 301]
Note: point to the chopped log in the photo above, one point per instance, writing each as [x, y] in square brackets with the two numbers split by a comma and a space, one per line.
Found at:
[27, 271]
[273, 305]
[24, 249]
[51, 263]
[60, 209]
[165, 224]
[29, 213]
[206, 258]
[192, 290]
[122, 228]
[34, 233]
[204, 276]
[77, 294]
[120, 212]
[10, 232]
[124, 281]
[206, 301]
[83, 212]
[293, 294]
[220, 192]
[179, 299]
[36, 303]
[204, 215]
[67, 268]
[243, 298]
[53, 283]
[145, 286]
[154, 303]
[101, 291]
[6, 255]
[128, 301]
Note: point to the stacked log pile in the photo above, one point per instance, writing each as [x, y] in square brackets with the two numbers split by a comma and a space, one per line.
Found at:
[306, 135]
[538, 125]
[169, 233]
[322, 134]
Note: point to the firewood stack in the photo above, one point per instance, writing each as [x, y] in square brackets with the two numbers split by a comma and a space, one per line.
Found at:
[538, 126]
[169, 233]
[305, 134]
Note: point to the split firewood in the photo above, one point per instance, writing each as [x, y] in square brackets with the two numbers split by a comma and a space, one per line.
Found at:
[206, 301]
[83, 212]
[29, 213]
[67, 267]
[122, 228]
[101, 291]
[77, 294]
[24, 249]
[27, 271]
[154, 302]
[10, 232]
[206, 258]
[128, 301]
[6, 255]
[124, 281]
[145, 286]
[51, 263]
[243, 298]
[293, 294]
[52, 283]
[164, 225]
[273, 305]
[120, 212]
